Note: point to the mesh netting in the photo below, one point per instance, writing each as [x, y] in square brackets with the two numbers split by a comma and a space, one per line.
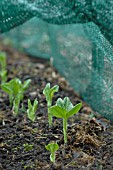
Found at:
[80, 42]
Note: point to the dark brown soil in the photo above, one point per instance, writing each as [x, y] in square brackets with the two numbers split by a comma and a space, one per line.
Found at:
[22, 142]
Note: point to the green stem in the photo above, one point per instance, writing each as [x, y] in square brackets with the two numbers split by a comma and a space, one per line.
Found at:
[11, 99]
[52, 157]
[49, 116]
[65, 129]
[16, 104]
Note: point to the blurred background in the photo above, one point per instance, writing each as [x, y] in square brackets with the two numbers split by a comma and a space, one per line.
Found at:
[78, 40]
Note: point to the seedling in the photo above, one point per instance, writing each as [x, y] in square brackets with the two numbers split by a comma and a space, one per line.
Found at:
[49, 92]
[3, 71]
[31, 111]
[15, 90]
[65, 109]
[52, 147]
[2, 61]
[3, 75]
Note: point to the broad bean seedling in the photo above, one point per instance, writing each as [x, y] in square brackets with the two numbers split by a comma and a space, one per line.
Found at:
[52, 147]
[65, 109]
[31, 111]
[49, 92]
[15, 90]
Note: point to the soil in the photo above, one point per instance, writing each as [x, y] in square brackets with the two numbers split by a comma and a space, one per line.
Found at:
[22, 142]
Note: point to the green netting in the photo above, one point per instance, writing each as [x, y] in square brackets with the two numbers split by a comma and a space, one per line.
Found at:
[78, 34]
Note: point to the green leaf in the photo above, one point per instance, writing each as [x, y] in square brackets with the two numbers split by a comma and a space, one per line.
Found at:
[52, 147]
[60, 103]
[57, 111]
[15, 85]
[26, 85]
[32, 109]
[5, 88]
[46, 92]
[53, 90]
[29, 104]
[35, 104]
[67, 104]
[74, 110]
[46, 89]
[49, 92]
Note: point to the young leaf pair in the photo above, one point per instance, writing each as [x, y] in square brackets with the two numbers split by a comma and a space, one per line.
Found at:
[65, 109]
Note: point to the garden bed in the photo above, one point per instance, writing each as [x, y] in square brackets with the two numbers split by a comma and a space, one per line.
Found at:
[22, 142]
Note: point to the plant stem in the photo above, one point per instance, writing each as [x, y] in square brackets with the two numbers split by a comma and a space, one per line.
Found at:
[49, 116]
[65, 129]
[16, 104]
[52, 157]
[11, 99]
